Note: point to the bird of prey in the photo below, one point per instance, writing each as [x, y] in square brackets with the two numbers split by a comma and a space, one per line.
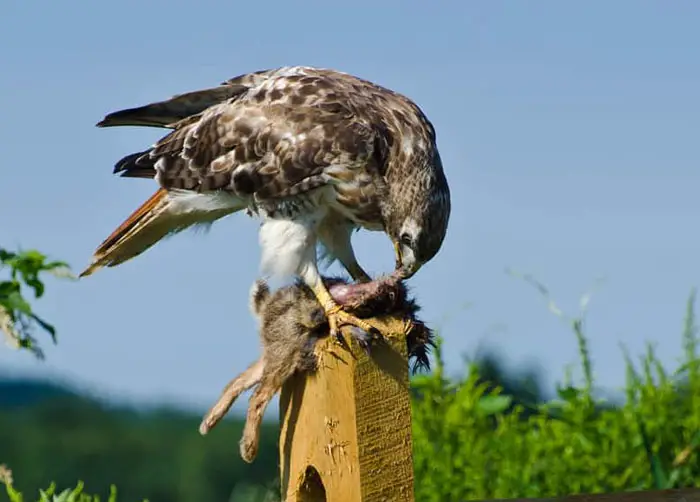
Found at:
[314, 153]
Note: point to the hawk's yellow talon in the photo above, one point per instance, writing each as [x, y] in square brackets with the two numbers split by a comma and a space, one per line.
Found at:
[333, 310]
[338, 317]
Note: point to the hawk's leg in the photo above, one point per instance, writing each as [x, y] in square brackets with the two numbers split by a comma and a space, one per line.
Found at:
[336, 238]
[355, 270]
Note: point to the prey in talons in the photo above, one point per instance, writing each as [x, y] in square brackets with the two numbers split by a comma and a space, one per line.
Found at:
[291, 322]
[366, 300]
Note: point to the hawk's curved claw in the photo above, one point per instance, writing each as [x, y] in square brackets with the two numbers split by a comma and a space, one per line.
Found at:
[338, 317]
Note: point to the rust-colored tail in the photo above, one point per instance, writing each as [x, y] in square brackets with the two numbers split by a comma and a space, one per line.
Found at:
[143, 228]
[155, 219]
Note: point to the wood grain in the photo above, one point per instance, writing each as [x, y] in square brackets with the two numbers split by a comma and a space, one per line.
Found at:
[346, 429]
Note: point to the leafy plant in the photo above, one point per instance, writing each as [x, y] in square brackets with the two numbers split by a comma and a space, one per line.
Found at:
[473, 442]
[49, 495]
[17, 317]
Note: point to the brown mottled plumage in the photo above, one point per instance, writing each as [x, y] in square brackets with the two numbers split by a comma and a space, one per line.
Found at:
[291, 322]
[315, 153]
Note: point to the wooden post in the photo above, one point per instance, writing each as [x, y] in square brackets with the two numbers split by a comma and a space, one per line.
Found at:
[346, 429]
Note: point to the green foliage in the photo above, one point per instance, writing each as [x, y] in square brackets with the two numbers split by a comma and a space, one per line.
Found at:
[158, 455]
[17, 317]
[481, 435]
[248, 493]
[471, 442]
[49, 495]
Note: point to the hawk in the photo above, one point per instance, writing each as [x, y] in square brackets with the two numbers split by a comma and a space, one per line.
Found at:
[314, 153]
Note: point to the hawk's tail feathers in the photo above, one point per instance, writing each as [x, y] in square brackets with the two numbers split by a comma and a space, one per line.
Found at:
[161, 215]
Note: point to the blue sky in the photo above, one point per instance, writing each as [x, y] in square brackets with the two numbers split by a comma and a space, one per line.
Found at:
[569, 134]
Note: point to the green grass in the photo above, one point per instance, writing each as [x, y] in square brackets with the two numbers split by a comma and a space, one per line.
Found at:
[68, 495]
[474, 444]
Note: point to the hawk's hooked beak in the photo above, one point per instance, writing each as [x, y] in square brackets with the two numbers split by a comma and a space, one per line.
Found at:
[397, 253]
[400, 271]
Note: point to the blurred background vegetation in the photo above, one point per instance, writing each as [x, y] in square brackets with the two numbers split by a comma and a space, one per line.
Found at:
[487, 433]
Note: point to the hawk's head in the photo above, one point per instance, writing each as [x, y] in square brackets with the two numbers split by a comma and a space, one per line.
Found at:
[417, 207]
[418, 229]
[414, 247]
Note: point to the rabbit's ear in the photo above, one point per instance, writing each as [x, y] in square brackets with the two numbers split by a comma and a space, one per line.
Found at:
[259, 296]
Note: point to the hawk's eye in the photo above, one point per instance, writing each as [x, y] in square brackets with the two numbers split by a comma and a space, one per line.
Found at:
[406, 239]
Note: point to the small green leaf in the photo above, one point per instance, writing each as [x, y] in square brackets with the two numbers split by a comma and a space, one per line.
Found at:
[36, 285]
[48, 327]
[492, 405]
[6, 256]
[31, 255]
[658, 474]
[568, 394]
[112, 493]
[59, 269]
[15, 301]
[8, 287]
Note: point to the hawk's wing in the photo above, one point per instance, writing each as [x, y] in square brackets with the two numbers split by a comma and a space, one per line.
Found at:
[251, 150]
[167, 112]
[255, 145]
[164, 113]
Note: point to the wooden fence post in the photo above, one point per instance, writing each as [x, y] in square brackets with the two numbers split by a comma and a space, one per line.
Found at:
[346, 429]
